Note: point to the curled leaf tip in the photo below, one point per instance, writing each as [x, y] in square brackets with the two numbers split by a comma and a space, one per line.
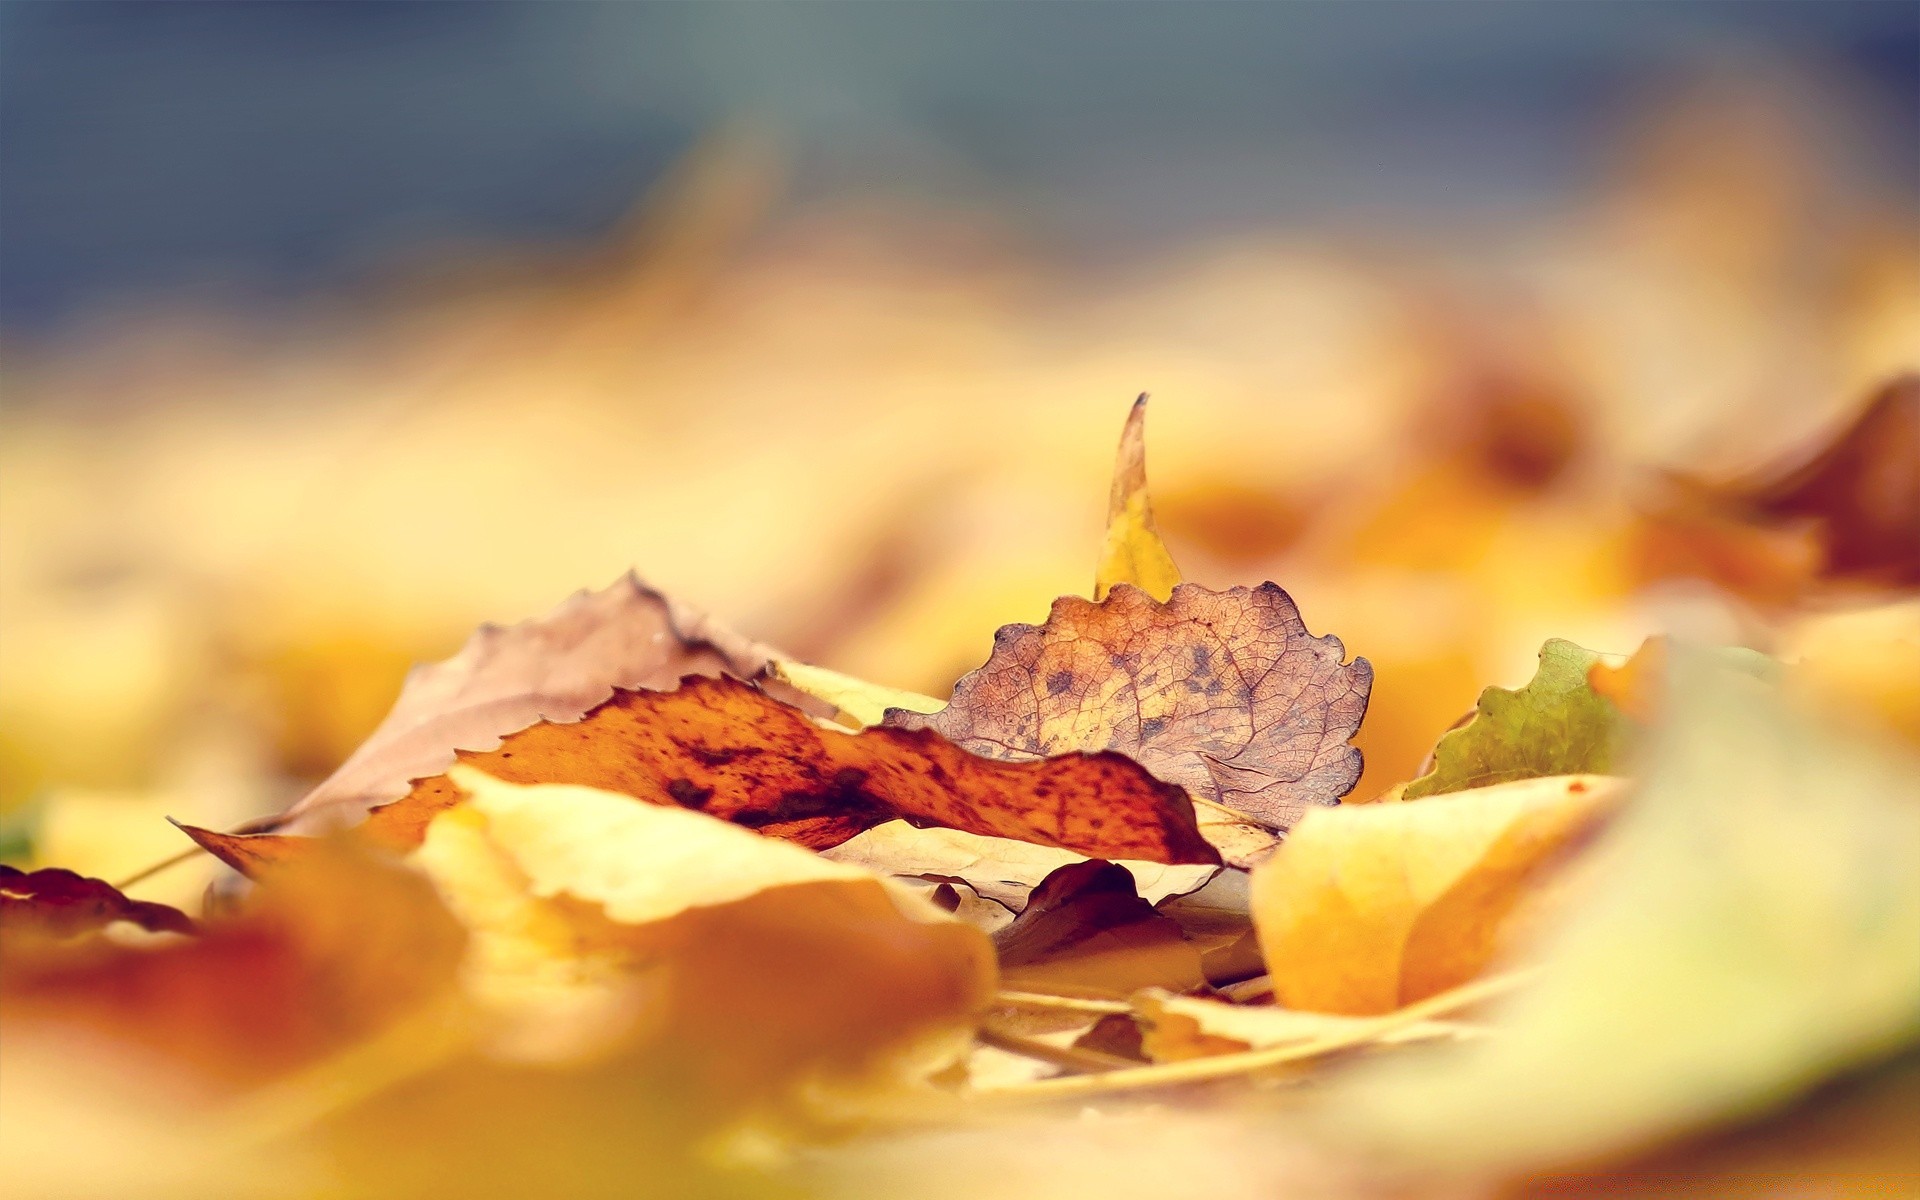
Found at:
[247, 853]
[1133, 552]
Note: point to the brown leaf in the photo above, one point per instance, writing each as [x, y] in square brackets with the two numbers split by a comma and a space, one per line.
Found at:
[725, 748]
[1224, 693]
[249, 853]
[1086, 932]
[327, 951]
[1863, 487]
[1856, 497]
[57, 903]
[550, 668]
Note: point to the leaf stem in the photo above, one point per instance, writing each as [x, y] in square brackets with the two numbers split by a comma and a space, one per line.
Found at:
[1196, 1070]
[1062, 1003]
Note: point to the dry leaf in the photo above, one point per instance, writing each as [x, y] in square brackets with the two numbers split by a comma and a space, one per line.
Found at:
[1861, 488]
[1555, 725]
[601, 924]
[325, 952]
[550, 668]
[1218, 921]
[1085, 932]
[1223, 693]
[860, 702]
[1002, 869]
[1847, 508]
[1365, 909]
[1181, 1027]
[57, 903]
[724, 748]
[1133, 552]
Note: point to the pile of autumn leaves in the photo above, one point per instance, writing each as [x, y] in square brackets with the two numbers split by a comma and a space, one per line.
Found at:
[618, 881]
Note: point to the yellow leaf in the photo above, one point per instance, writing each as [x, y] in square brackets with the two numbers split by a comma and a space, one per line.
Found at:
[1182, 1027]
[866, 703]
[1133, 552]
[599, 924]
[1753, 928]
[1365, 909]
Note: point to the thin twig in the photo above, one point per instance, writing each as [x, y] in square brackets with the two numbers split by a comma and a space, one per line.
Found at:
[1063, 1003]
[149, 872]
[1071, 1057]
[1195, 1070]
[1248, 989]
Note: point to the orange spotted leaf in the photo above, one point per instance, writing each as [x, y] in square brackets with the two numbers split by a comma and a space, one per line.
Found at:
[725, 748]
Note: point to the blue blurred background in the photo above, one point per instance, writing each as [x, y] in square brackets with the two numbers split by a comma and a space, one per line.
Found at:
[264, 149]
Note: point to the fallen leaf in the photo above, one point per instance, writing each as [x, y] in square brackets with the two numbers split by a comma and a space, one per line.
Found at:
[1181, 1027]
[861, 702]
[553, 668]
[1224, 693]
[601, 924]
[1752, 928]
[325, 952]
[1637, 687]
[251, 854]
[1001, 869]
[959, 898]
[1555, 725]
[1133, 552]
[1365, 909]
[57, 903]
[1217, 920]
[729, 750]
[1085, 932]
[1241, 841]
[1861, 489]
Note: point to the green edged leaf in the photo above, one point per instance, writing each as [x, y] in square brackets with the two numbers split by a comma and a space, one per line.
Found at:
[1555, 725]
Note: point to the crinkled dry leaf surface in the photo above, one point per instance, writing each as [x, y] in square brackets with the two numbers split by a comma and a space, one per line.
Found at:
[600, 924]
[1133, 552]
[1555, 725]
[551, 668]
[1365, 909]
[1751, 925]
[724, 748]
[1224, 693]
[56, 903]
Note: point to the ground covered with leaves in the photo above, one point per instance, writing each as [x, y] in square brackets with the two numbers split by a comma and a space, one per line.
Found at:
[619, 901]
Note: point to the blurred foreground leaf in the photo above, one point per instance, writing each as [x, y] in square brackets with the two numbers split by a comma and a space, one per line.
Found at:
[1749, 927]
[1365, 909]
